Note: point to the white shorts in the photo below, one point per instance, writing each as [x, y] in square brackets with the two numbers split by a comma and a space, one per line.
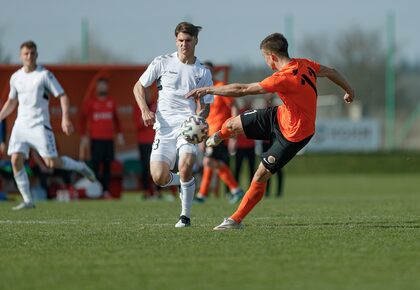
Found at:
[168, 142]
[40, 138]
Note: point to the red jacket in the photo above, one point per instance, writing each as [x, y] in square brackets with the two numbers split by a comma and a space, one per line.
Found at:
[100, 117]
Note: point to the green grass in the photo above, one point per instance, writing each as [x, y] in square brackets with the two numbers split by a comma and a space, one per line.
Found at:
[328, 232]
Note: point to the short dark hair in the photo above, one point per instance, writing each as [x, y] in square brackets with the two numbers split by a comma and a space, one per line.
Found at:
[275, 43]
[188, 28]
[28, 44]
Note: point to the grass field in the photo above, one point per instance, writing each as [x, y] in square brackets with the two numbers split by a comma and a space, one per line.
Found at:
[327, 232]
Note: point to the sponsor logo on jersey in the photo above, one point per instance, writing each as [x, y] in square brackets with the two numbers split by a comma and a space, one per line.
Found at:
[102, 116]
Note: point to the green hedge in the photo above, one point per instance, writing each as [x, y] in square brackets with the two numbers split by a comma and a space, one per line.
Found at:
[399, 162]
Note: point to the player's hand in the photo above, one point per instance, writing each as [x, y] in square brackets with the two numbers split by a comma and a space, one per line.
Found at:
[197, 93]
[67, 126]
[349, 97]
[149, 118]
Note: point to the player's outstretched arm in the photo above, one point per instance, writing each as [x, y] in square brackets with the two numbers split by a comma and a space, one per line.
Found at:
[141, 93]
[8, 108]
[66, 123]
[231, 90]
[339, 80]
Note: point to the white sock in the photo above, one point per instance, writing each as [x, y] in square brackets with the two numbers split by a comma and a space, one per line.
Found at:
[174, 180]
[188, 191]
[71, 164]
[22, 182]
[181, 195]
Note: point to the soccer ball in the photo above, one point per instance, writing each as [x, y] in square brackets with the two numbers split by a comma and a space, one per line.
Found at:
[194, 129]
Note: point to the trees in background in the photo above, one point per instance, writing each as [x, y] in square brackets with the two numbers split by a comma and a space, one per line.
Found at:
[361, 56]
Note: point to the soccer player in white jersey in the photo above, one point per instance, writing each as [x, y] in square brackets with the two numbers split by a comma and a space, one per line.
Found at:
[30, 88]
[175, 74]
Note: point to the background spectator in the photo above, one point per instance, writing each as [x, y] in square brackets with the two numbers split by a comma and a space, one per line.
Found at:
[100, 124]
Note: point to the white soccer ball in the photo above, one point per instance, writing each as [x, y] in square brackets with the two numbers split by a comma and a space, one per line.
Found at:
[195, 129]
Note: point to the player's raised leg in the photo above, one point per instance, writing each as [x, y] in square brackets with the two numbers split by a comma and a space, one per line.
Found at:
[67, 163]
[46, 148]
[230, 128]
[162, 175]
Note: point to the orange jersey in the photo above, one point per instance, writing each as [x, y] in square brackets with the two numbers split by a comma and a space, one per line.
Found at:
[295, 84]
[220, 111]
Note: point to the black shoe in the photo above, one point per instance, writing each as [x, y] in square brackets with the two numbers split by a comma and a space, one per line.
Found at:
[183, 222]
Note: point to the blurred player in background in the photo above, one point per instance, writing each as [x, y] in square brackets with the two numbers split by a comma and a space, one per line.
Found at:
[279, 175]
[289, 127]
[245, 149]
[30, 89]
[217, 158]
[176, 74]
[99, 125]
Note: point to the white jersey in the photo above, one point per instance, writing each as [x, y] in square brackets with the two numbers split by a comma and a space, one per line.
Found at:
[32, 91]
[174, 80]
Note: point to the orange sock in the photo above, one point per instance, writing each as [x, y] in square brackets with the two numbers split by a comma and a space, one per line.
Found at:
[205, 181]
[226, 175]
[225, 133]
[252, 197]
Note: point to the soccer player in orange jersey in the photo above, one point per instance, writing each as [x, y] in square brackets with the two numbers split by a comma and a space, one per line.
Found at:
[217, 158]
[289, 127]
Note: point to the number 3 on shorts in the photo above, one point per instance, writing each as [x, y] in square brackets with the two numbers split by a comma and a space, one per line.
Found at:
[155, 145]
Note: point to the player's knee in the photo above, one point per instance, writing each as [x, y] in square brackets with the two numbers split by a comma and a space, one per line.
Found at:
[262, 174]
[17, 161]
[160, 179]
[230, 124]
[234, 124]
